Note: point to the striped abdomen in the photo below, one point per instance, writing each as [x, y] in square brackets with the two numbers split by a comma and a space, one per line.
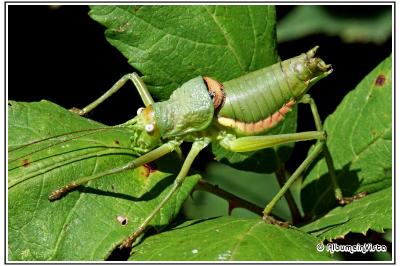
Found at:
[257, 101]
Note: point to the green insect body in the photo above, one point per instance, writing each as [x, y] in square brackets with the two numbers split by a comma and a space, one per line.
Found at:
[235, 114]
[189, 109]
[251, 105]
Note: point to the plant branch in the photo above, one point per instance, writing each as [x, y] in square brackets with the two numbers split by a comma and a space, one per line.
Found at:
[234, 200]
[281, 177]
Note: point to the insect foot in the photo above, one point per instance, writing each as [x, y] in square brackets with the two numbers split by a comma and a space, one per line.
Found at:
[77, 111]
[59, 193]
[271, 220]
[347, 200]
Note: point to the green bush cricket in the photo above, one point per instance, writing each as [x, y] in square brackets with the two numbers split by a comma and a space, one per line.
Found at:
[236, 114]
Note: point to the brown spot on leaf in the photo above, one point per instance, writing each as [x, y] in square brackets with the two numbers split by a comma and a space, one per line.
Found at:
[122, 28]
[380, 80]
[150, 167]
[143, 172]
[147, 169]
[26, 162]
[116, 142]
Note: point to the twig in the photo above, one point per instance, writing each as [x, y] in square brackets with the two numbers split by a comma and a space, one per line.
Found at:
[232, 199]
[281, 177]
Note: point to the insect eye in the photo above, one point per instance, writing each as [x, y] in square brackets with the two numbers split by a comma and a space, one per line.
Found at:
[149, 128]
[139, 111]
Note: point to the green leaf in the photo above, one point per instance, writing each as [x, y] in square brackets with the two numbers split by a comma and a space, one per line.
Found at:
[360, 141]
[229, 239]
[332, 20]
[256, 188]
[44, 155]
[172, 44]
[373, 212]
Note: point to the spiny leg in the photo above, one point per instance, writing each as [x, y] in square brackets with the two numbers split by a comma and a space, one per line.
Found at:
[148, 157]
[137, 81]
[304, 165]
[328, 158]
[253, 143]
[319, 147]
[197, 146]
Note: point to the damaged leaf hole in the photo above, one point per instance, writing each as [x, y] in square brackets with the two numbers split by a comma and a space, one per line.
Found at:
[122, 220]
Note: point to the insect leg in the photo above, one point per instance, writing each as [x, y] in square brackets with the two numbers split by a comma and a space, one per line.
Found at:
[328, 158]
[139, 84]
[253, 143]
[146, 158]
[197, 146]
[310, 158]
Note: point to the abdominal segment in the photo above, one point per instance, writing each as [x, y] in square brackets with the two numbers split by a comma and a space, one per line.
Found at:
[263, 125]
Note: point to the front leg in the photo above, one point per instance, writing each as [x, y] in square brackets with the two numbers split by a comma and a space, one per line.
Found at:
[197, 146]
[146, 158]
[137, 81]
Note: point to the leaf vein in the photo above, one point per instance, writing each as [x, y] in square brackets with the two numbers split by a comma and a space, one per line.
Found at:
[255, 37]
[69, 216]
[238, 242]
[228, 41]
